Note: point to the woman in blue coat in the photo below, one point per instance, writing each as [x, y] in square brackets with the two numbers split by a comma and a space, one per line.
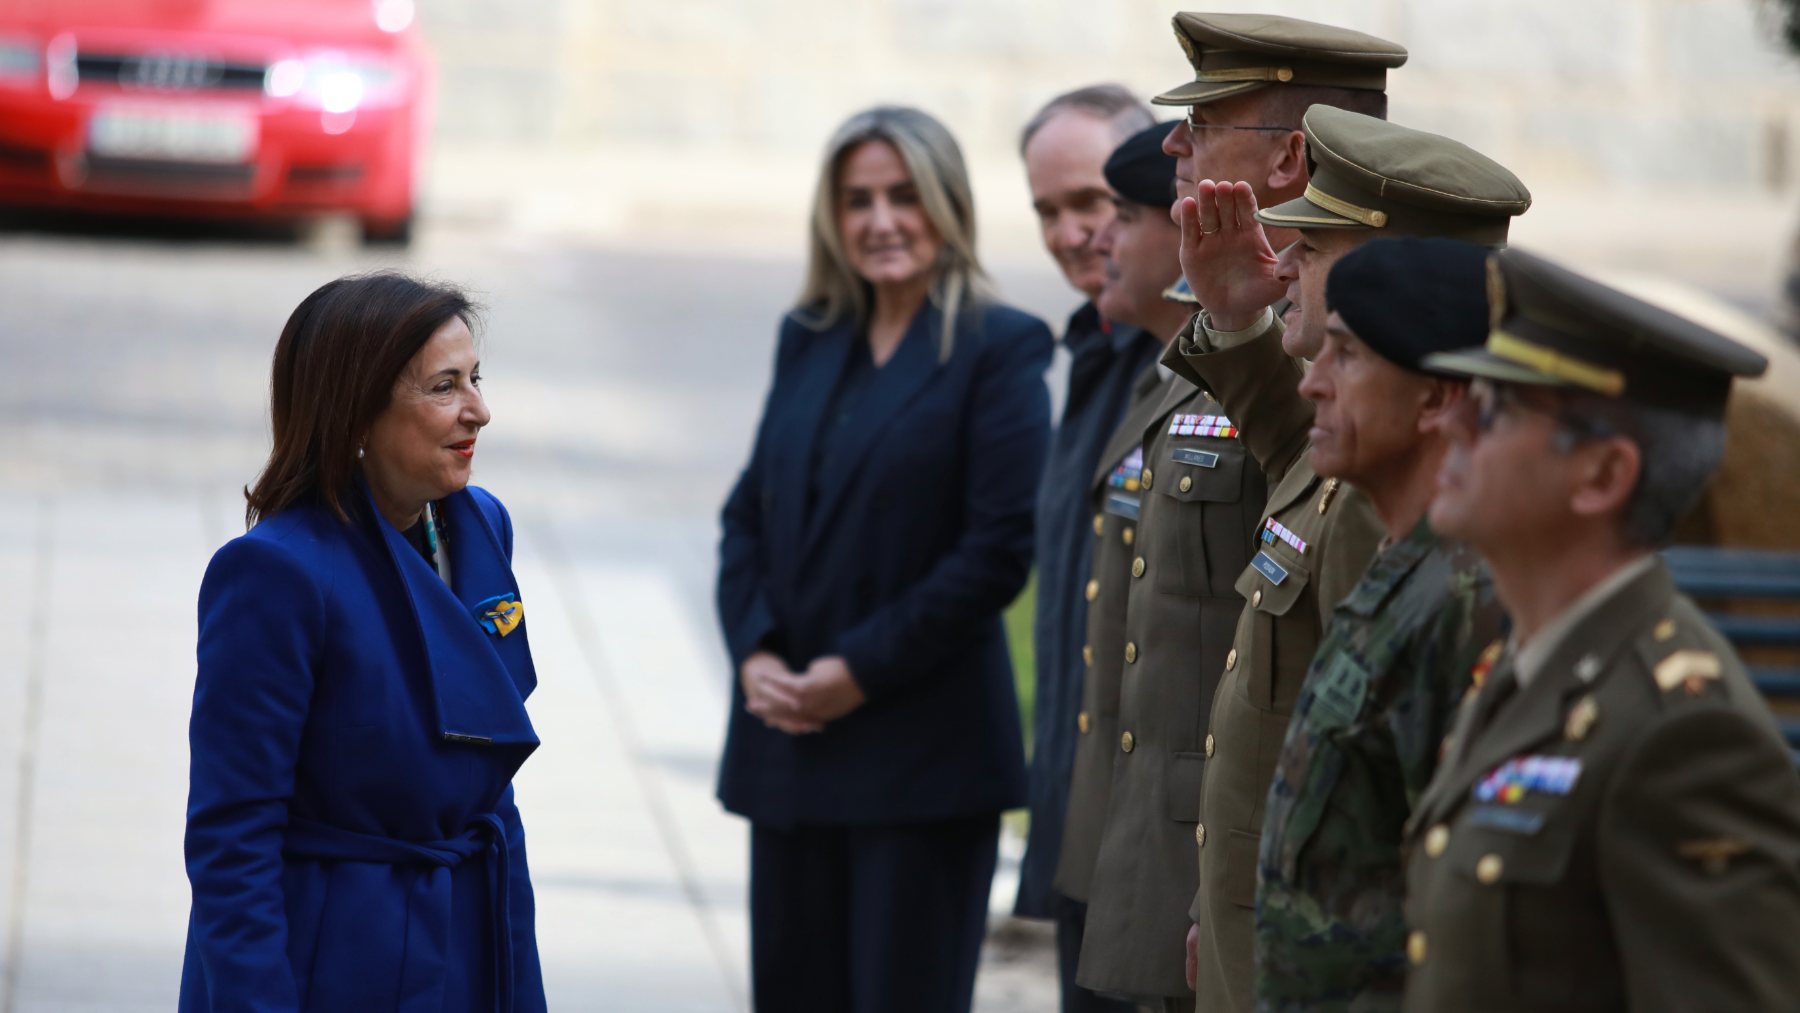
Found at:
[882, 524]
[352, 841]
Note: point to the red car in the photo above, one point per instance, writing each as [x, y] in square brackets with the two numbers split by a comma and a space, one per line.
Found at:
[269, 109]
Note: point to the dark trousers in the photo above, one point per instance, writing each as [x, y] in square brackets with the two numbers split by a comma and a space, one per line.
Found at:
[869, 919]
[1071, 924]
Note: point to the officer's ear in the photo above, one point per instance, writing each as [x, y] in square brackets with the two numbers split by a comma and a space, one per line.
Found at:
[1604, 474]
[1442, 404]
[1287, 163]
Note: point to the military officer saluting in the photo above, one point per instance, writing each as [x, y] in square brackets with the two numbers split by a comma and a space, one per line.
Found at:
[1159, 623]
[1616, 822]
[1370, 179]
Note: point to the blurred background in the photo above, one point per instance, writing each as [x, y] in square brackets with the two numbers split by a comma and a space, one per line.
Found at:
[625, 186]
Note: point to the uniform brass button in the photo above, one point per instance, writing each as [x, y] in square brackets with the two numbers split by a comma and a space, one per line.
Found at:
[1148, 478]
[1099, 523]
[1126, 536]
[1187, 483]
[1437, 839]
[1126, 742]
[1083, 722]
[1488, 869]
[1256, 598]
[1130, 652]
[1209, 746]
[1415, 948]
[1137, 567]
[1200, 834]
[1231, 659]
[1093, 590]
[1087, 655]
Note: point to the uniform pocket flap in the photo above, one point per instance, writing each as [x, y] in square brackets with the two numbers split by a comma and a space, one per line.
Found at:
[1272, 583]
[1529, 855]
[1210, 471]
[1185, 772]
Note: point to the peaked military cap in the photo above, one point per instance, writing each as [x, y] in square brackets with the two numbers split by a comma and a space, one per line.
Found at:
[1408, 298]
[1371, 174]
[1236, 53]
[1140, 171]
[1552, 327]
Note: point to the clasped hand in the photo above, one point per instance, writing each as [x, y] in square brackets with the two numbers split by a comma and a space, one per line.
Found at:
[1225, 255]
[799, 703]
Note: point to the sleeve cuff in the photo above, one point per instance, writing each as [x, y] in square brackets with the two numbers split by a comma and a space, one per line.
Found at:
[1218, 341]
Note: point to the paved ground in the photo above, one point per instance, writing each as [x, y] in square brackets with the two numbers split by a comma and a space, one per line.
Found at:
[624, 385]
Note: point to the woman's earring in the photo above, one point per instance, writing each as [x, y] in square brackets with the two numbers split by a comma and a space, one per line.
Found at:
[359, 453]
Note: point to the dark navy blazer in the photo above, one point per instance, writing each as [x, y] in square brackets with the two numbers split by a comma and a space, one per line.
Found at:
[915, 545]
[352, 841]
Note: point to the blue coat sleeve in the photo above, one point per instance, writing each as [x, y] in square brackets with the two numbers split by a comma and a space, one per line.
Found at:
[260, 619]
[746, 612]
[1005, 444]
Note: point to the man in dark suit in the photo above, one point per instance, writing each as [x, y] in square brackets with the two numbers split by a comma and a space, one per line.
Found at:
[1064, 147]
[1616, 821]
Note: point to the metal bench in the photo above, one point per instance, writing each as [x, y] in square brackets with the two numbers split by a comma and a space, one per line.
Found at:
[1717, 578]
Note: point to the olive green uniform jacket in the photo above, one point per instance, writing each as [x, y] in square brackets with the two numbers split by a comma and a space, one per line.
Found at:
[1115, 492]
[1622, 833]
[1286, 596]
[1200, 498]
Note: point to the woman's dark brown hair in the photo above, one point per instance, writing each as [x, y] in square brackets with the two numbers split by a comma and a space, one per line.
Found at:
[335, 368]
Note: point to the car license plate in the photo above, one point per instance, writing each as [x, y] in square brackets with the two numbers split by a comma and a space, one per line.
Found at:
[176, 134]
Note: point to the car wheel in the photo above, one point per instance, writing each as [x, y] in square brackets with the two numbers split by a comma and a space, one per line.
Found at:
[388, 231]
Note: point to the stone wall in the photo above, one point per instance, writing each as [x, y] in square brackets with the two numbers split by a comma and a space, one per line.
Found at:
[635, 117]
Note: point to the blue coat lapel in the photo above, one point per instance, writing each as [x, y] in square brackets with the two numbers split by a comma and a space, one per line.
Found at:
[897, 383]
[479, 680]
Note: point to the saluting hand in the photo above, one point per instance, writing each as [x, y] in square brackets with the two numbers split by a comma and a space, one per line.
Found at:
[828, 690]
[772, 693]
[1225, 255]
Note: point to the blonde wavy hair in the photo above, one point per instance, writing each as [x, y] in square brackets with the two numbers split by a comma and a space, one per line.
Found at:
[833, 291]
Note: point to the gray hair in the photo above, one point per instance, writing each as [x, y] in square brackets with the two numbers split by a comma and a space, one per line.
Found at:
[1678, 453]
[1114, 103]
[833, 290]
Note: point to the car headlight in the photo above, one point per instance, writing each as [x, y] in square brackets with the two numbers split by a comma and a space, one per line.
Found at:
[21, 61]
[335, 84]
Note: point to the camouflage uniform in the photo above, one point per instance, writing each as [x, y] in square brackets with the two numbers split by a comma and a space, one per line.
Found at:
[1363, 744]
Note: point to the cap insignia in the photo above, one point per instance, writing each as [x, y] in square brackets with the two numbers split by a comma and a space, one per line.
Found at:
[1187, 46]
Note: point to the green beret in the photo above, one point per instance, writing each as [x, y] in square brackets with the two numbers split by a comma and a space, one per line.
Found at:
[1552, 327]
[1371, 174]
[1236, 53]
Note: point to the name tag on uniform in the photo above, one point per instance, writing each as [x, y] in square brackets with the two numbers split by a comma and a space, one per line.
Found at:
[1513, 821]
[1122, 505]
[1266, 565]
[1188, 455]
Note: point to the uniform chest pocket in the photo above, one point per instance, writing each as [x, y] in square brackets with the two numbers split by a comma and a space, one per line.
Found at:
[1520, 909]
[1272, 585]
[1201, 482]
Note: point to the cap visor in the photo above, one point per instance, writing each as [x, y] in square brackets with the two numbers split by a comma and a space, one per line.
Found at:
[1479, 362]
[1301, 213]
[1198, 93]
